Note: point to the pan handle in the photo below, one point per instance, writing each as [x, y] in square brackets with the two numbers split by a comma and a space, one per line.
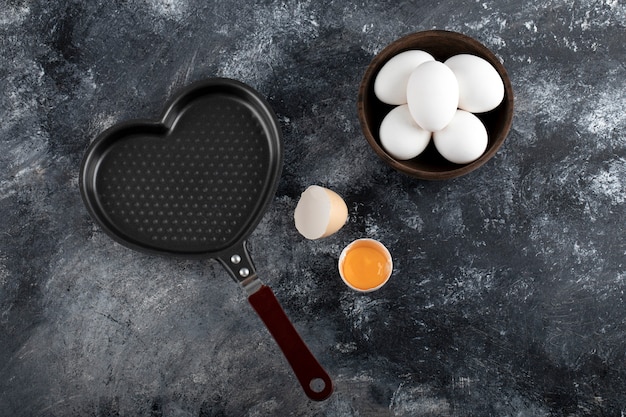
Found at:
[314, 380]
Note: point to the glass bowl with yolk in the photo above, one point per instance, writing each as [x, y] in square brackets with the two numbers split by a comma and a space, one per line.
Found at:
[365, 265]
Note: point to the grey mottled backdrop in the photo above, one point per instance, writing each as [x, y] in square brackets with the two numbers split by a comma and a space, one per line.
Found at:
[508, 294]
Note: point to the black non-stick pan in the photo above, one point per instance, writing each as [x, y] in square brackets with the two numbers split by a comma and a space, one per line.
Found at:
[195, 184]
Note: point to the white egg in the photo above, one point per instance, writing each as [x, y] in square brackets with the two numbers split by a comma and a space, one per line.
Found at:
[400, 136]
[432, 95]
[391, 80]
[463, 140]
[480, 86]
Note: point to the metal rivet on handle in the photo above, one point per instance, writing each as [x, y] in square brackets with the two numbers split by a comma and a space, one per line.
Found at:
[244, 272]
[235, 259]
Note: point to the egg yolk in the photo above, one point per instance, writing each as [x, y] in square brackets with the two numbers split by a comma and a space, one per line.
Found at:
[365, 267]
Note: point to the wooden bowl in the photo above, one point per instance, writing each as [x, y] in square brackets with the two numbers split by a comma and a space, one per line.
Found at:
[441, 45]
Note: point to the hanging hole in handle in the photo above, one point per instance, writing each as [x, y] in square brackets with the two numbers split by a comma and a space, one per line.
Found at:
[317, 385]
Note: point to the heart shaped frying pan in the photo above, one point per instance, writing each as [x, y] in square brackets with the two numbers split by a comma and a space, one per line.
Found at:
[195, 185]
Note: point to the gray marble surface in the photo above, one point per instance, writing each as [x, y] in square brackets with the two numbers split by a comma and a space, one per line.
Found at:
[507, 297]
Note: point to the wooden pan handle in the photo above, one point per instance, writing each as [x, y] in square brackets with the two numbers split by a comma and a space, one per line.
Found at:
[314, 380]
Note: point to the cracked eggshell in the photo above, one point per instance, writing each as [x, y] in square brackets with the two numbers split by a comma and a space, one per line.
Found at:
[320, 212]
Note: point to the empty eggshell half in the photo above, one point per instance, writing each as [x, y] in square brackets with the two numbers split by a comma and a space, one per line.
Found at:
[320, 212]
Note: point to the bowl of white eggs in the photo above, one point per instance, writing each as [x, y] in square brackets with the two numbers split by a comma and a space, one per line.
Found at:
[435, 104]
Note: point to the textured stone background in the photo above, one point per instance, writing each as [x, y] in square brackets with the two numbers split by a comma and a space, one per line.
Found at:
[508, 294]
